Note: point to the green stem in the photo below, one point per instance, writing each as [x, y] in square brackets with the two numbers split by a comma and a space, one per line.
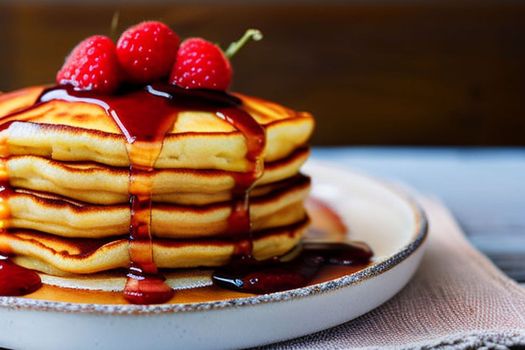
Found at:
[114, 25]
[254, 34]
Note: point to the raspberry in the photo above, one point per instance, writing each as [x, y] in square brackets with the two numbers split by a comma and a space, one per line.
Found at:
[92, 65]
[201, 64]
[147, 51]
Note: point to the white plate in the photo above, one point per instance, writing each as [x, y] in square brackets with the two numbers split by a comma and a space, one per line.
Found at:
[391, 223]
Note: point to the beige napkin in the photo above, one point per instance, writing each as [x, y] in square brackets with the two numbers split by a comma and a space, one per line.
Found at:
[457, 300]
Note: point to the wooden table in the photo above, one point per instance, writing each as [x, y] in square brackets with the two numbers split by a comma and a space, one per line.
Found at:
[484, 188]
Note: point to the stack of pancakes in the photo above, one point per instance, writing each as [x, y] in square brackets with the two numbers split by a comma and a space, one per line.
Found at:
[69, 203]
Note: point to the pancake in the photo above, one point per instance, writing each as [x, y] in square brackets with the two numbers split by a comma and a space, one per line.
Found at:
[115, 280]
[61, 256]
[277, 205]
[98, 184]
[145, 181]
[78, 131]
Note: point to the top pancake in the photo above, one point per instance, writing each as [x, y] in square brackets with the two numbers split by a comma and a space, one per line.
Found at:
[76, 131]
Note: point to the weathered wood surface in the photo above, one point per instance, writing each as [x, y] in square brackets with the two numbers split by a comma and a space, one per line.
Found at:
[484, 188]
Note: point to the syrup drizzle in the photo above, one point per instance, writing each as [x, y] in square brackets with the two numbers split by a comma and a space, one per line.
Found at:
[145, 136]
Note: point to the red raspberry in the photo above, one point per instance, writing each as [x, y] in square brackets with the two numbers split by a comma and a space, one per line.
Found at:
[92, 65]
[201, 64]
[147, 51]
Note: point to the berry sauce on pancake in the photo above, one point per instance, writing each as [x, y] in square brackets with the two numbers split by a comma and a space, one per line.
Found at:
[145, 136]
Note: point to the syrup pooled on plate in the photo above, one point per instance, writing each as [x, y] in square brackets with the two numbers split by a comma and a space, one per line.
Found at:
[275, 275]
[16, 280]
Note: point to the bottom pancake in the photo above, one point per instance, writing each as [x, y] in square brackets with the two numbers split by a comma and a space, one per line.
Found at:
[62, 257]
[114, 281]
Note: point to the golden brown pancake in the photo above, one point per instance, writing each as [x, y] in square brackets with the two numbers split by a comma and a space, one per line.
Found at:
[61, 256]
[77, 131]
[98, 184]
[58, 216]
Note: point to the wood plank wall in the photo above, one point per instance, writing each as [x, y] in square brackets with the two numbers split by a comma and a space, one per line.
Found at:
[392, 72]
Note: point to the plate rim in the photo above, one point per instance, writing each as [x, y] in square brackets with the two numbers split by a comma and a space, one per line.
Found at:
[418, 237]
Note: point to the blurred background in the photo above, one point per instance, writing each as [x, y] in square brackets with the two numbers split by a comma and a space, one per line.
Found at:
[373, 72]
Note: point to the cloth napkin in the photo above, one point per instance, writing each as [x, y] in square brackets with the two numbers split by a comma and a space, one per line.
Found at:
[457, 300]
